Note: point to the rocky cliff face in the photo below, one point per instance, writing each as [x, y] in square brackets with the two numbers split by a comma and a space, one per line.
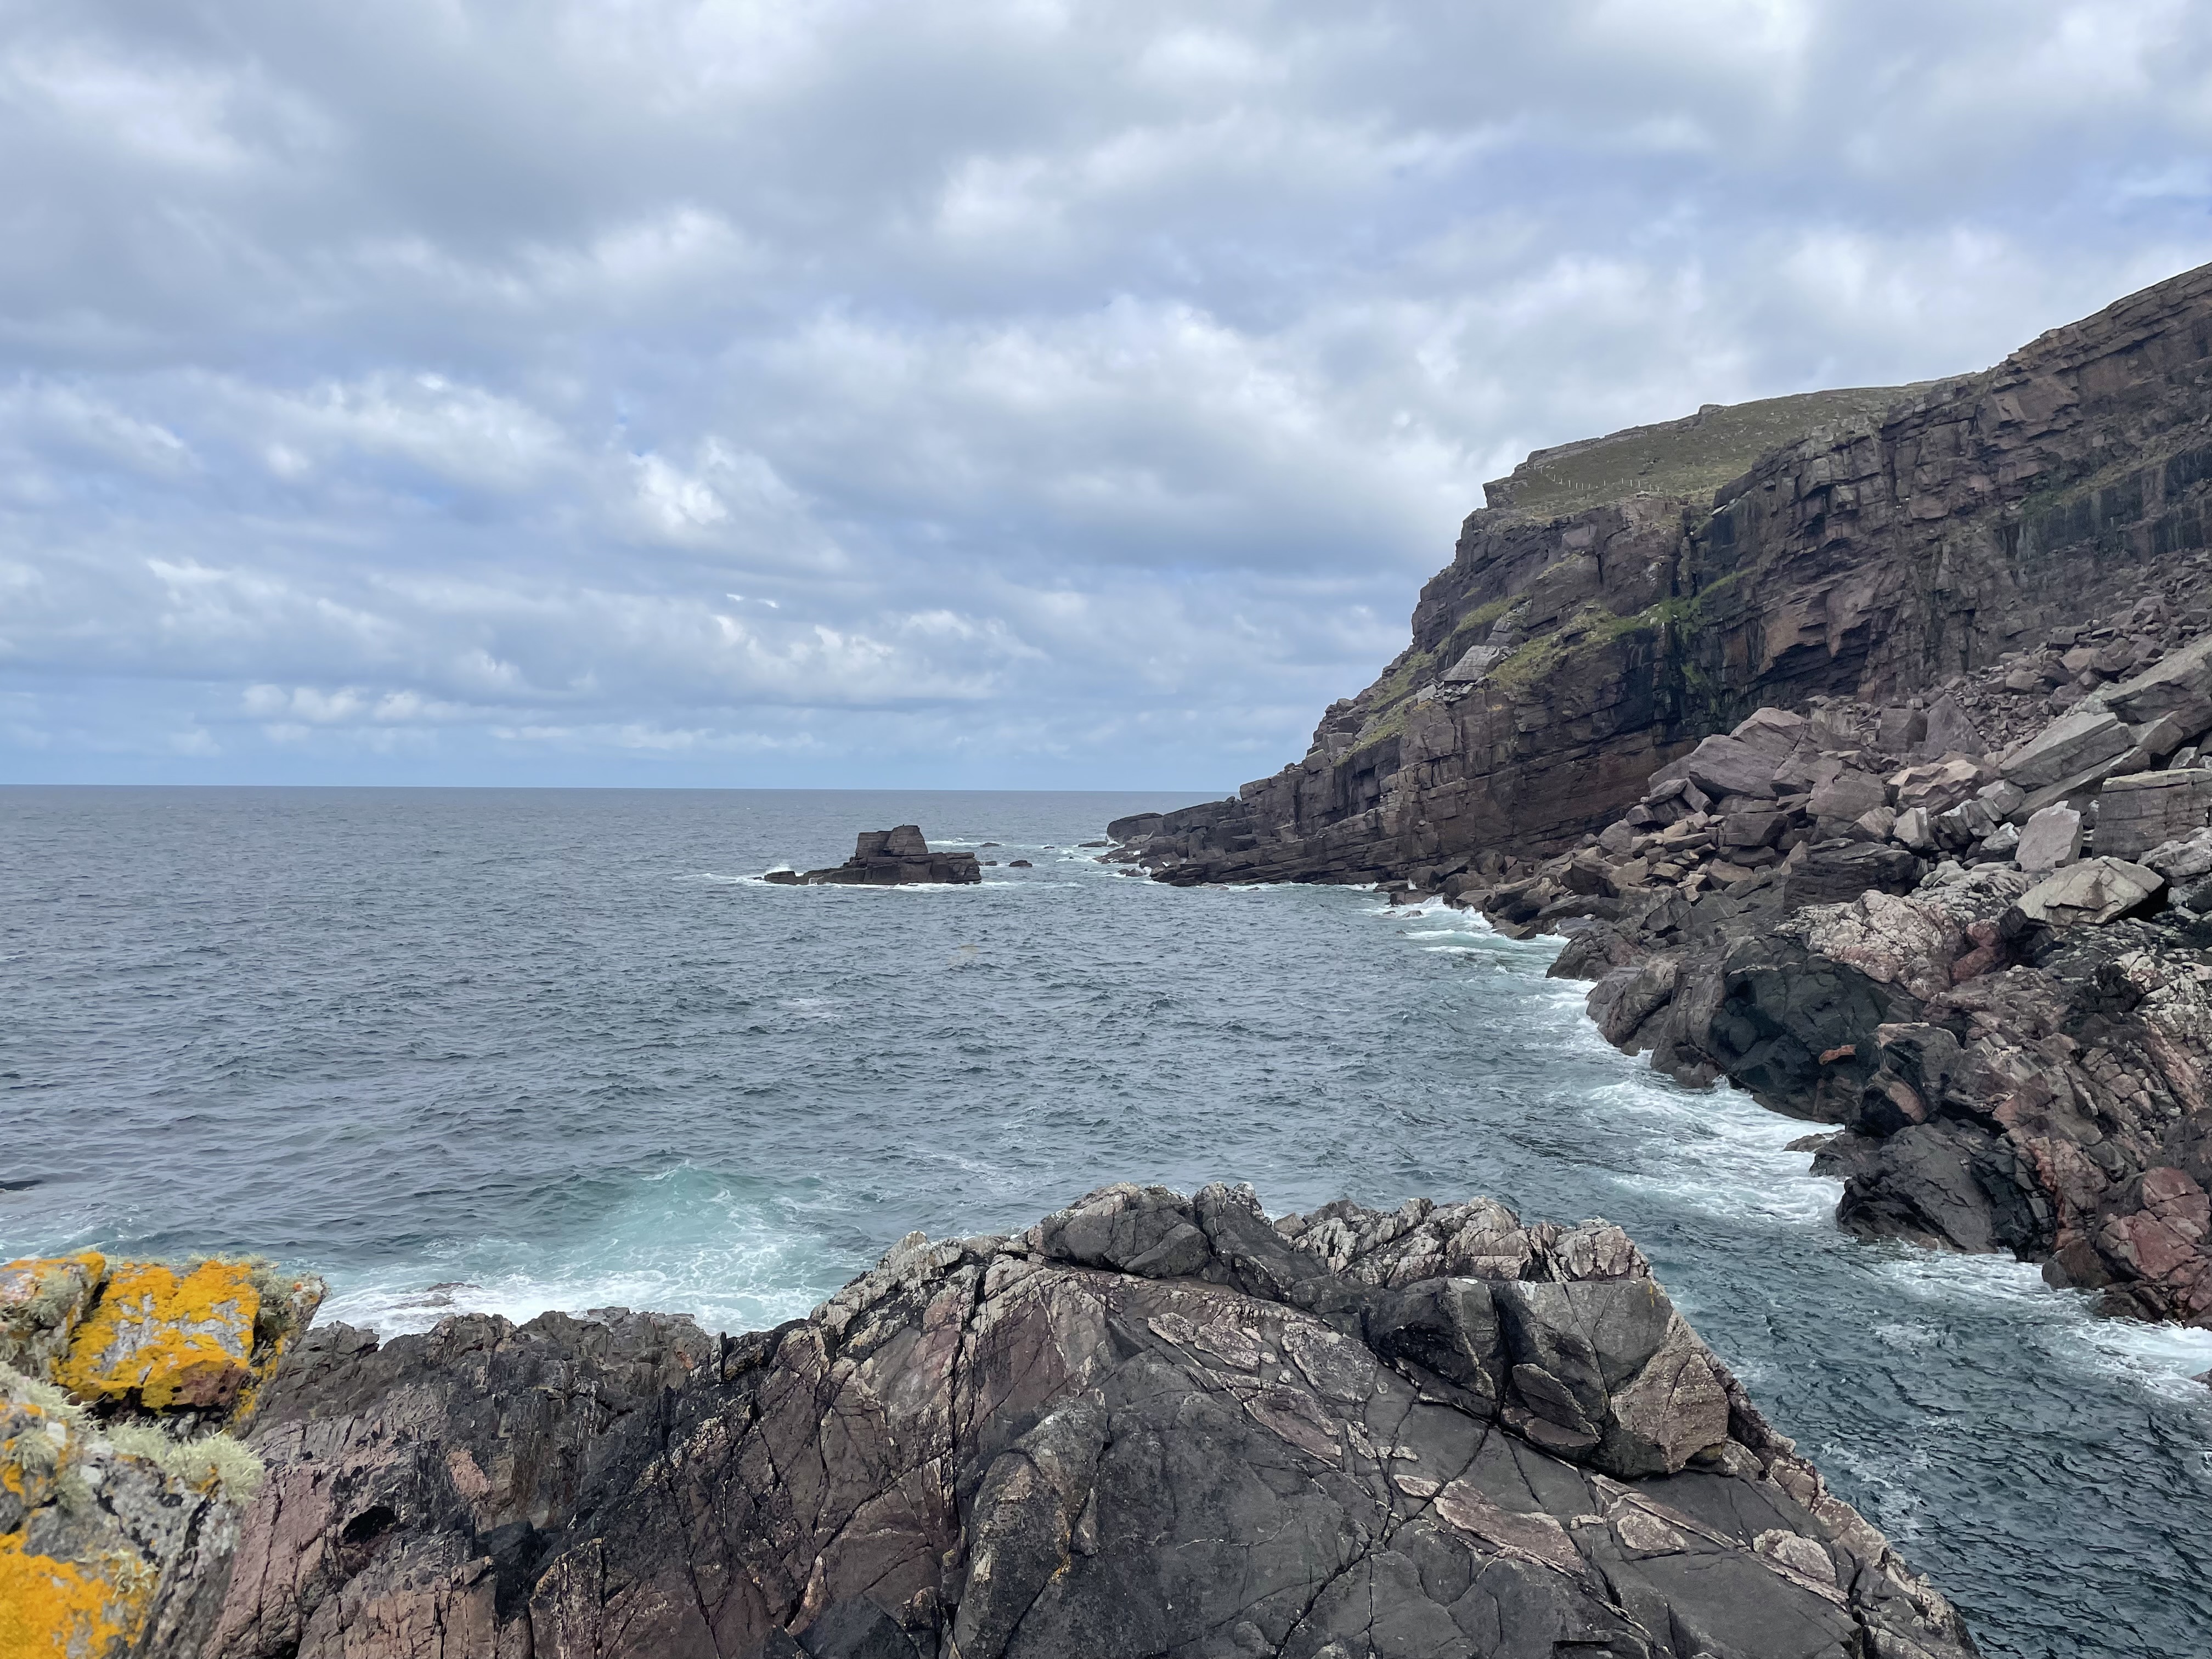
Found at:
[1150, 1424]
[1574, 644]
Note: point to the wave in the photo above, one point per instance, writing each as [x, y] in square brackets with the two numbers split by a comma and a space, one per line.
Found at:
[685, 1242]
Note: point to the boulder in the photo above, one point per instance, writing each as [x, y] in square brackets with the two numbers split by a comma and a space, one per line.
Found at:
[1938, 784]
[2090, 893]
[1749, 829]
[1773, 732]
[1846, 793]
[2051, 838]
[1149, 1425]
[2182, 861]
[1898, 730]
[2072, 747]
[1951, 730]
[1835, 870]
[2138, 812]
[1913, 830]
[1723, 766]
[2179, 687]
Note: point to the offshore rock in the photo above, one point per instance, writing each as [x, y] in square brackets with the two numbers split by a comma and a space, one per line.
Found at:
[889, 858]
[1620, 600]
[1150, 1424]
[121, 1484]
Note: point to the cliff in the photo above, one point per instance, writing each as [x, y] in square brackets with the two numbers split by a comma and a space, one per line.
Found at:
[1149, 1425]
[1615, 602]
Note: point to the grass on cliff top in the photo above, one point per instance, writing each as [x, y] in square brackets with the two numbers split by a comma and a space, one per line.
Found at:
[1692, 457]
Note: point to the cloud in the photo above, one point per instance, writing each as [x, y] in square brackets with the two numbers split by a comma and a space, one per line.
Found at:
[1073, 394]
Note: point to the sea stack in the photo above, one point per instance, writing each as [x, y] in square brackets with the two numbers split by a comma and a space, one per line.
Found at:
[889, 858]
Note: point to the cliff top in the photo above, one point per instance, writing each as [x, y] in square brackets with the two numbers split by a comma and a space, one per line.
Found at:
[1694, 456]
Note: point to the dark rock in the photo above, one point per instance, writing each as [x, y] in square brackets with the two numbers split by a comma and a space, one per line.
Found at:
[1149, 1425]
[1834, 871]
[890, 858]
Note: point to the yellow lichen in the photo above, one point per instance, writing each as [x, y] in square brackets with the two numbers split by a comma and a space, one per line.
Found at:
[53, 1609]
[169, 1339]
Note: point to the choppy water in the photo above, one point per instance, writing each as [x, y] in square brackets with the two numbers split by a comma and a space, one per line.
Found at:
[557, 1050]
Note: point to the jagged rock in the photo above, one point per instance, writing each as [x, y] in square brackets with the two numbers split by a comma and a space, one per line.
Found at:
[2051, 838]
[1149, 1425]
[2091, 892]
[891, 857]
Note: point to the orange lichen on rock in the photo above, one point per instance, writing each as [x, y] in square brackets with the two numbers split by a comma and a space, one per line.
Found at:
[40, 1302]
[53, 1609]
[166, 1340]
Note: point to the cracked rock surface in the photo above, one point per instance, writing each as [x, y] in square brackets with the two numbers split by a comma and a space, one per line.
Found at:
[1148, 1426]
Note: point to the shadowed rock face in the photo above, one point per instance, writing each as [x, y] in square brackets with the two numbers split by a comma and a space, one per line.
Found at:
[1148, 1426]
[1559, 658]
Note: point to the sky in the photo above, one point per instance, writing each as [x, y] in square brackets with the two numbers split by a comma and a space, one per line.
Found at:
[989, 394]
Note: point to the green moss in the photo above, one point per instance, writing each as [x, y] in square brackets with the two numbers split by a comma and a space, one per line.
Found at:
[1691, 458]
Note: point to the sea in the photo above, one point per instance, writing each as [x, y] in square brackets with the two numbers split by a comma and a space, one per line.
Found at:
[513, 1050]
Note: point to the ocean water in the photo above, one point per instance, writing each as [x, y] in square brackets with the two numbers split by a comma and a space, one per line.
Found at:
[515, 1050]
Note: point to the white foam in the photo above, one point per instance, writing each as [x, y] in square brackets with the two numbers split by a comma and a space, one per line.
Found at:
[1722, 1154]
[685, 1242]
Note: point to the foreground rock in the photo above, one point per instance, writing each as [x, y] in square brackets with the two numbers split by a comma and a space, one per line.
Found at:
[121, 1483]
[888, 858]
[1148, 1426]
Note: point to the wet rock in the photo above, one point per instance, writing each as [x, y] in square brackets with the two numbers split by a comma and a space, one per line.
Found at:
[1149, 1425]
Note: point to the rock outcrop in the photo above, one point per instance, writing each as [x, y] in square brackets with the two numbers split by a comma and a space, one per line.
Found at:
[1972, 962]
[1600, 619]
[122, 1483]
[888, 858]
[1150, 1424]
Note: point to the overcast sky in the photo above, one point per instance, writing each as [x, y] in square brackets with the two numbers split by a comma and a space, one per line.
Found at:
[991, 392]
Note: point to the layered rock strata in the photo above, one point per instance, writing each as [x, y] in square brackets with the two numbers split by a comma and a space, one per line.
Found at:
[122, 1387]
[888, 858]
[1150, 1424]
[1566, 654]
